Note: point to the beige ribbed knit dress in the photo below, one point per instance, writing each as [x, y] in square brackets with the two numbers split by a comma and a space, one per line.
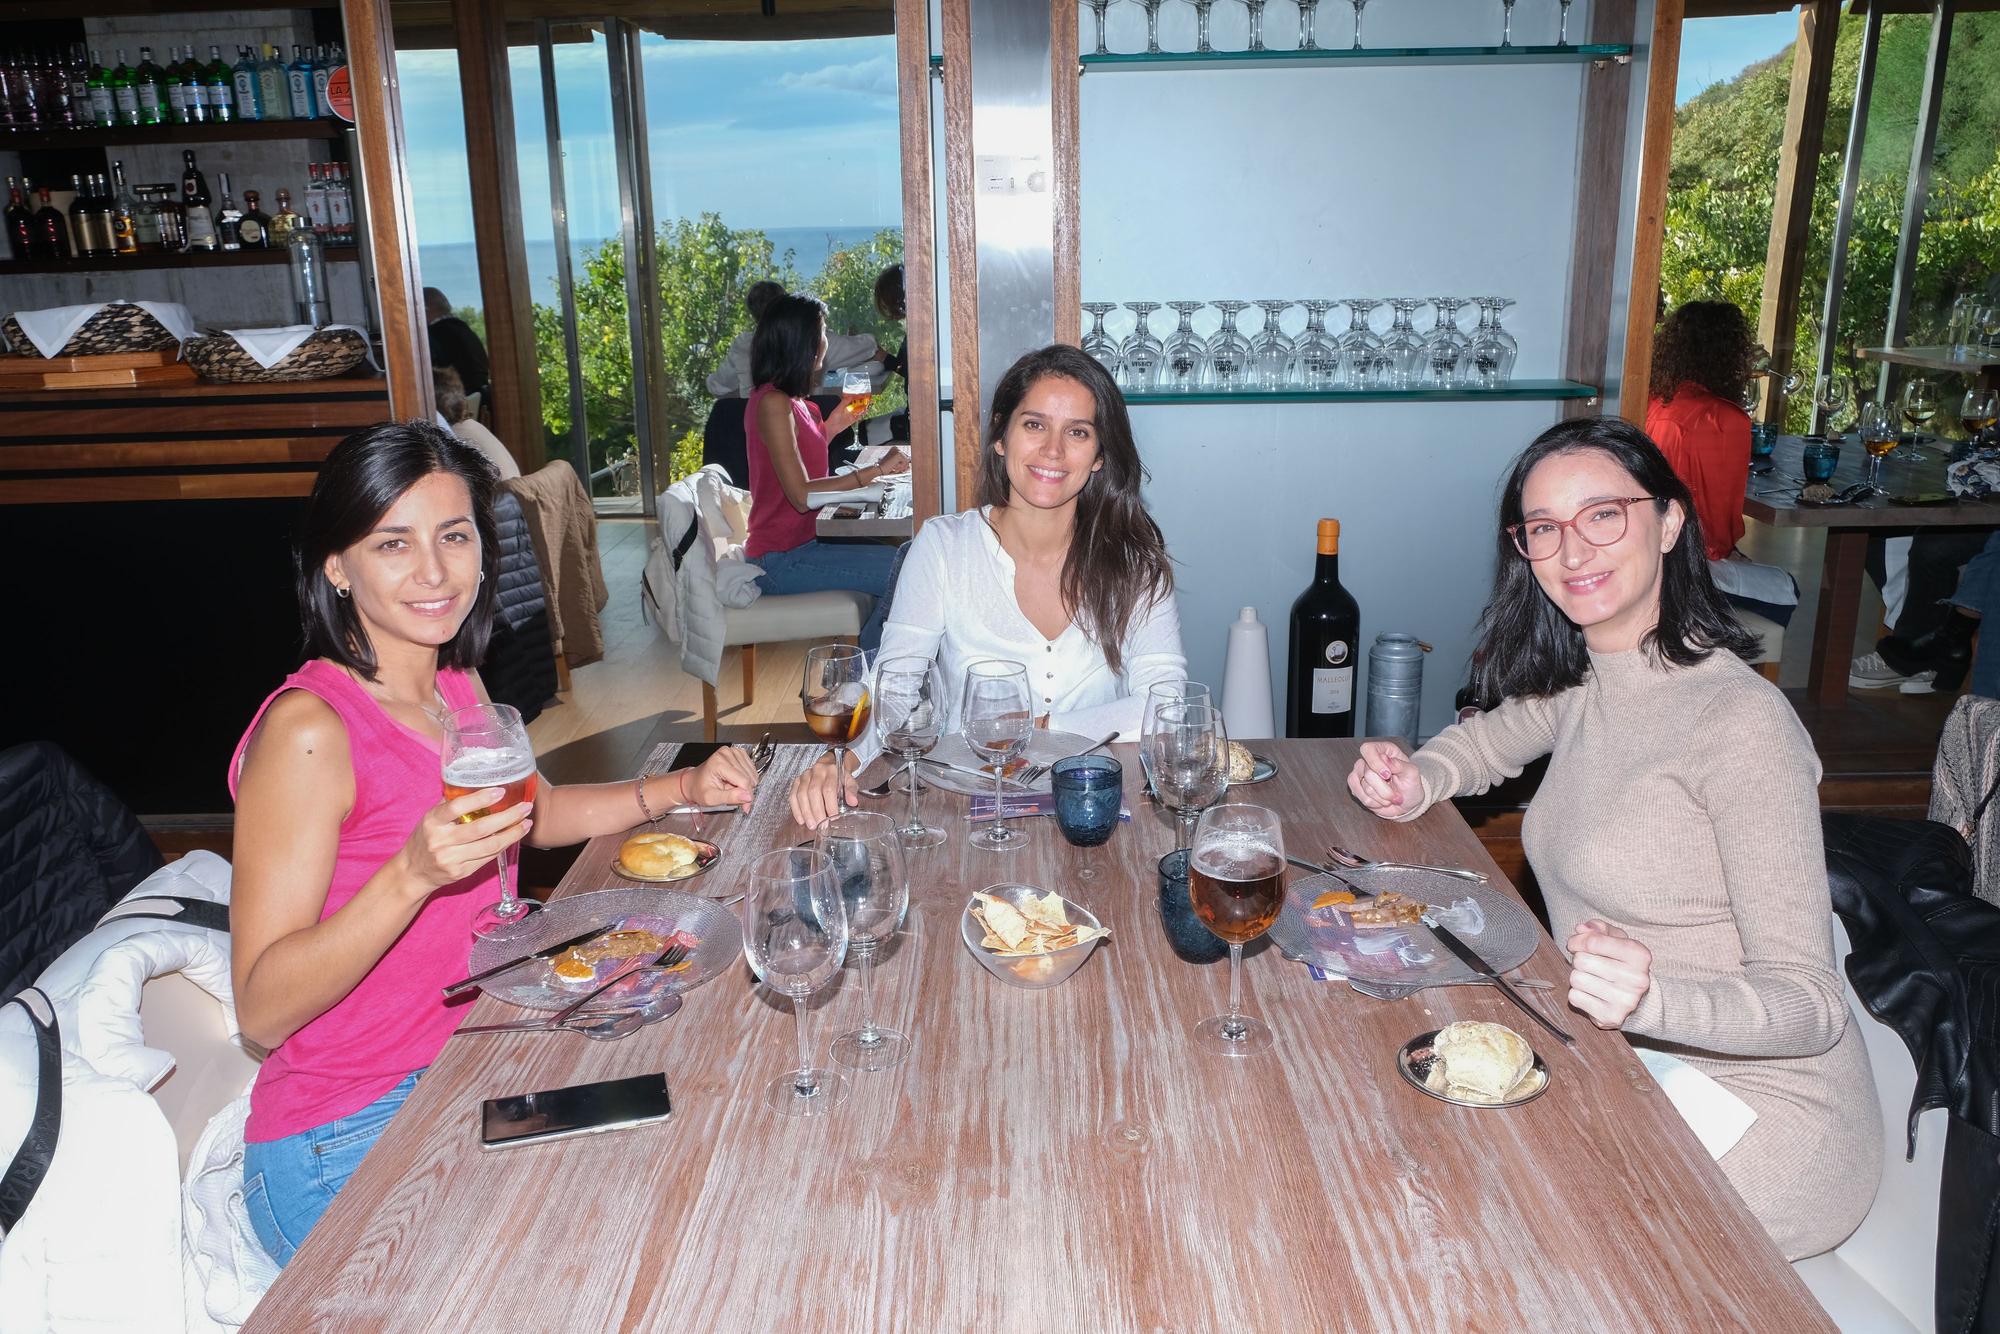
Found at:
[1681, 805]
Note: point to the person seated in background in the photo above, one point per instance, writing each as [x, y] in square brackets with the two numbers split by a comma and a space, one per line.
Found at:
[1702, 361]
[456, 414]
[455, 345]
[788, 464]
[890, 305]
[734, 379]
[1676, 833]
[1954, 584]
[1060, 568]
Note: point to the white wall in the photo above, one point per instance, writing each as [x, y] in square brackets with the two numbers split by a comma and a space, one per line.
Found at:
[1330, 182]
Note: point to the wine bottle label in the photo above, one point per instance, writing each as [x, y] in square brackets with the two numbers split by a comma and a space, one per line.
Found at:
[149, 96]
[128, 101]
[220, 96]
[100, 106]
[1333, 687]
[200, 228]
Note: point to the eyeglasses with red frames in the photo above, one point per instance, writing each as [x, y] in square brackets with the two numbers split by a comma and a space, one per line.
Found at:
[1599, 523]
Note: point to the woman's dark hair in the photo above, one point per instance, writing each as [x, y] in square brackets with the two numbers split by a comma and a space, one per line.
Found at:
[1527, 645]
[449, 391]
[364, 475]
[1117, 566]
[785, 348]
[760, 296]
[1708, 343]
[889, 302]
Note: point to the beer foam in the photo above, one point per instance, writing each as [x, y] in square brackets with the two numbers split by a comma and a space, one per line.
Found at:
[489, 766]
[1238, 857]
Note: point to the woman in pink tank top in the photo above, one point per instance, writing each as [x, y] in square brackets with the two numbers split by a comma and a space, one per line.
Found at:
[788, 467]
[355, 883]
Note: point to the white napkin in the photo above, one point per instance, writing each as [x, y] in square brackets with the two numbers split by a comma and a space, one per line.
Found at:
[1760, 583]
[870, 494]
[1718, 1117]
[268, 347]
[50, 329]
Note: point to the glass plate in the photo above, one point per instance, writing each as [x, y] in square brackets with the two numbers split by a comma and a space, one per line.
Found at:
[1043, 748]
[664, 911]
[1408, 956]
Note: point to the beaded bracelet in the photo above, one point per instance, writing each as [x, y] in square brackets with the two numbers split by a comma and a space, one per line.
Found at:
[639, 791]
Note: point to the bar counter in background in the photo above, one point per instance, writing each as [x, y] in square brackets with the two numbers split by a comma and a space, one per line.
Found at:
[145, 549]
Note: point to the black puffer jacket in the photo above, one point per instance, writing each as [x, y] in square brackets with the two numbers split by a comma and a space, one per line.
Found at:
[520, 666]
[69, 849]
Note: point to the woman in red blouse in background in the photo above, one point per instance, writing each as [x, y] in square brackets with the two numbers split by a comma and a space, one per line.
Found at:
[1701, 363]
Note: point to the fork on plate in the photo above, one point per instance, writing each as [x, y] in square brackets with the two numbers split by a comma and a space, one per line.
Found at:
[1034, 772]
[575, 1010]
[1353, 861]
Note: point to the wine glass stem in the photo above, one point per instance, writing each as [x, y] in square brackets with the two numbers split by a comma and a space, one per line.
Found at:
[1153, 29]
[915, 823]
[1562, 25]
[869, 1037]
[1232, 1026]
[1185, 819]
[1357, 25]
[1256, 8]
[1306, 8]
[1506, 23]
[839, 777]
[1102, 49]
[803, 1082]
[1201, 42]
[509, 905]
[1000, 830]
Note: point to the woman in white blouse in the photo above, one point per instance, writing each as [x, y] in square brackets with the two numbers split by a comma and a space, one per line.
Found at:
[1060, 567]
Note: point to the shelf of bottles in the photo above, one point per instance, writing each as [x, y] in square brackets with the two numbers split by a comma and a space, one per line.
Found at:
[52, 101]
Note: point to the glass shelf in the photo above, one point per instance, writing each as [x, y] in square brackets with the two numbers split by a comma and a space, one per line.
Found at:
[1518, 391]
[1119, 61]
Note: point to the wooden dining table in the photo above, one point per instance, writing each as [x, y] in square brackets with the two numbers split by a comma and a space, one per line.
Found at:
[1773, 497]
[1064, 1159]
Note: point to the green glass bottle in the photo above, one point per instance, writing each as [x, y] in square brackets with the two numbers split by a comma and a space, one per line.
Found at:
[103, 112]
[124, 96]
[149, 83]
[218, 88]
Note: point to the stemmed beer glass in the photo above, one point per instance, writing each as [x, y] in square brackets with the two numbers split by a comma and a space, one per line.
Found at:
[486, 745]
[835, 697]
[795, 939]
[998, 720]
[1190, 762]
[909, 719]
[868, 864]
[1236, 882]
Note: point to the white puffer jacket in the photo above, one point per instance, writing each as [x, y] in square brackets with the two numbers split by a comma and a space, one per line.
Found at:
[691, 603]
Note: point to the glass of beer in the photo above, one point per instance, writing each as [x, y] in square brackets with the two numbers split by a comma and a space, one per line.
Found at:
[485, 746]
[1878, 437]
[835, 697]
[1236, 881]
[857, 391]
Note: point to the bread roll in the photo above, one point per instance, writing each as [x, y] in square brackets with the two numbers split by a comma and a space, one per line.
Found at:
[658, 855]
[1242, 764]
[1481, 1061]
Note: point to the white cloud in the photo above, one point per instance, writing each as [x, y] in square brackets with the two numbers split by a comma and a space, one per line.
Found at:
[874, 77]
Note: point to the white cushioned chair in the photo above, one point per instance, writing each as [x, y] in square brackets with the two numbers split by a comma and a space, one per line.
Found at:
[836, 614]
[1770, 639]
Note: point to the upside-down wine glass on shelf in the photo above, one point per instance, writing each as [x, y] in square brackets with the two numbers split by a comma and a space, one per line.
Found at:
[1493, 350]
[1139, 356]
[1098, 343]
[1201, 9]
[1506, 23]
[1182, 359]
[998, 721]
[1403, 347]
[1562, 26]
[835, 699]
[1236, 883]
[1190, 762]
[1308, 10]
[874, 880]
[1256, 38]
[1444, 345]
[1272, 351]
[1316, 355]
[909, 707]
[795, 940]
[1226, 367]
[486, 745]
[1152, 8]
[1099, 8]
[1359, 5]
[1361, 356]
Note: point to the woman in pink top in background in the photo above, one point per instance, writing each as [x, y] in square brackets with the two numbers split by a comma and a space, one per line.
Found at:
[788, 467]
[355, 884]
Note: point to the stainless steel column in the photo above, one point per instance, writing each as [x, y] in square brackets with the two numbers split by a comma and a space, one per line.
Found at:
[1850, 183]
[579, 429]
[642, 282]
[1918, 192]
[1013, 197]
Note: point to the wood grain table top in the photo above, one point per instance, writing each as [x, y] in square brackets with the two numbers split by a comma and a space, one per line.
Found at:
[1051, 1160]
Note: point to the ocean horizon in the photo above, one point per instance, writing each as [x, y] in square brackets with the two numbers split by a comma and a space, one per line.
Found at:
[453, 267]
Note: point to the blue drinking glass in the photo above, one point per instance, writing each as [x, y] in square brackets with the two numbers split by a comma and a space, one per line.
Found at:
[1190, 939]
[1819, 459]
[1763, 439]
[1090, 792]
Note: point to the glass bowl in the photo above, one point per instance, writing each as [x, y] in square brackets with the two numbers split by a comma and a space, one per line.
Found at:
[1031, 972]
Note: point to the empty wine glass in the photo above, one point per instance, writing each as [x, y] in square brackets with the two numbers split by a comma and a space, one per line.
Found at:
[1444, 345]
[1272, 351]
[1562, 27]
[1098, 343]
[1920, 404]
[1506, 23]
[1201, 42]
[1359, 5]
[1403, 347]
[1236, 884]
[1139, 356]
[835, 698]
[795, 938]
[1256, 8]
[1190, 762]
[909, 719]
[486, 745]
[1316, 354]
[1490, 357]
[1182, 359]
[998, 720]
[1361, 347]
[1152, 8]
[868, 864]
[1098, 8]
[1307, 11]
[1226, 367]
[1163, 692]
[1831, 395]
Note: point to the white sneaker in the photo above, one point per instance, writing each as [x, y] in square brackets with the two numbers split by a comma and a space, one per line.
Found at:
[1923, 683]
[1869, 672]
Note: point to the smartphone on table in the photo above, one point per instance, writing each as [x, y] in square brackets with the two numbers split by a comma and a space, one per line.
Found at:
[581, 1109]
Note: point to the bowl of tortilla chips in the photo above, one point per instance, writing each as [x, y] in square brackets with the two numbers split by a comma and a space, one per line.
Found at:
[1029, 937]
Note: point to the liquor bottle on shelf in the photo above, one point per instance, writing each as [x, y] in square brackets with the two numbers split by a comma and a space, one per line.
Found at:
[229, 223]
[284, 222]
[20, 222]
[322, 71]
[273, 98]
[194, 195]
[124, 94]
[170, 81]
[89, 221]
[218, 89]
[316, 201]
[255, 226]
[194, 89]
[150, 87]
[299, 85]
[243, 79]
[51, 230]
[124, 214]
[340, 205]
[79, 85]
[1326, 626]
[103, 112]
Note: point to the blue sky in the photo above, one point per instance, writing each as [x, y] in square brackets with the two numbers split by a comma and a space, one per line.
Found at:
[768, 134]
[1716, 50]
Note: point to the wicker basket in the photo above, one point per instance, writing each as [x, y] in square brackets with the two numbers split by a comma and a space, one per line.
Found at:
[118, 327]
[325, 354]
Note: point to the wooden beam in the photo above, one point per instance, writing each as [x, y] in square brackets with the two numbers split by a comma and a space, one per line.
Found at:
[1065, 91]
[964, 247]
[1649, 230]
[392, 231]
[1605, 108]
[1791, 206]
[497, 228]
[920, 323]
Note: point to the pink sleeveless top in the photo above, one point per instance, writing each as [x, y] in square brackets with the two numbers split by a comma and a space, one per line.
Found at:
[394, 1021]
[774, 524]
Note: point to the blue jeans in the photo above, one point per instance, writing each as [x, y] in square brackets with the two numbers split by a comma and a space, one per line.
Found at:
[814, 567]
[288, 1183]
[1979, 591]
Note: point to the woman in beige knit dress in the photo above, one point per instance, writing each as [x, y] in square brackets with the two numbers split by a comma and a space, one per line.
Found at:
[1676, 836]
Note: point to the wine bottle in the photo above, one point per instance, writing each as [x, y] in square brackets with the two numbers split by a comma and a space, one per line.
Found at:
[229, 223]
[194, 194]
[20, 221]
[1326, 626]
[51, 234]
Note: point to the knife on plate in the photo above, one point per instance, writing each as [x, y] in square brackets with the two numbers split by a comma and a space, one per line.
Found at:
[551, 952]
[1471, 959]
[983, 775]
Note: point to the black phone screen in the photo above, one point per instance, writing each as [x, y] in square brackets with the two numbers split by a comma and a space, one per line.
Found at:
[581, 1109]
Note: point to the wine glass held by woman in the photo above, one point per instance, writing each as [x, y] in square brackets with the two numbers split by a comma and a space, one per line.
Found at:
[355, 883]
[1676, 831]
[1059, 568]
